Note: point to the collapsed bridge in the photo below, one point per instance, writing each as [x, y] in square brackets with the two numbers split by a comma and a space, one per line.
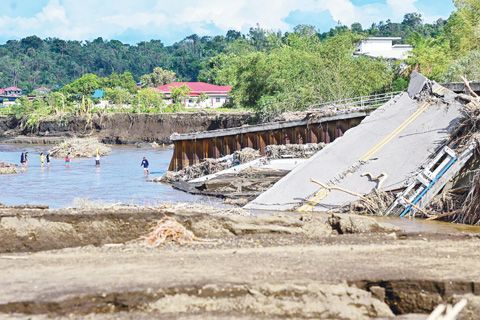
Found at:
[314, 127]
[399, 144]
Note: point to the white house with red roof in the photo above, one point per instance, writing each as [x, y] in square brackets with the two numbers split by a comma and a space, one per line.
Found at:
[11, 91]
[216, 96]
[9, 95]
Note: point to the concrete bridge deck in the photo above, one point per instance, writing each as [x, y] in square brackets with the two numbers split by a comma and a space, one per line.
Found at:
[394, 141]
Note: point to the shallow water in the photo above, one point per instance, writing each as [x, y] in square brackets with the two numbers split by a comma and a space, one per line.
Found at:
[119, 179]
[427, 226]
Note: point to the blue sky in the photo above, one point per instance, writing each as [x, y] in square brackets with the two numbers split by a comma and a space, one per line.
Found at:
[138, 20]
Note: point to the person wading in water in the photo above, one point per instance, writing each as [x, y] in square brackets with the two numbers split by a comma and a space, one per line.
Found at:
[42, 159]
[67, 159]
[97, 159]
[145, 164]
[22, 159]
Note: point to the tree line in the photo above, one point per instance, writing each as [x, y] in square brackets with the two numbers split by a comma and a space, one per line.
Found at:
[32, 62]
[270, 71]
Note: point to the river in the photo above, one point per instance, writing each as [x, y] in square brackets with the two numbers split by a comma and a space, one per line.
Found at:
[119, 179]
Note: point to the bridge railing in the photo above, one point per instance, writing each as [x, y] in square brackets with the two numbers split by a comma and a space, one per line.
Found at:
[362, 102]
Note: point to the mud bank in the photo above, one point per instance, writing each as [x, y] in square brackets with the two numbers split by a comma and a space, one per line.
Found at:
[92, 263]
[25, 230]
[125, 128]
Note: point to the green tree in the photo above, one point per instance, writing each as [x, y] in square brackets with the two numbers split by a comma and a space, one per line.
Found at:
[412, 20]
[356, 27]
[463, 26]
[158, 77]
[149, 100]
[202, 98]
[430, 56]
[120, 80]
[118, 96]
[468, 66]
[83, 86]
[180, 94]
[302, 72]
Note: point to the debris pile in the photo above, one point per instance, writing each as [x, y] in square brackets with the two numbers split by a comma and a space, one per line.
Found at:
[375, 203]
[470, 211]
[245, 155]
[210, 166]
[80, 148]
[7, 168]
[293, 150]
[206, 167]
[169, 230]
[459, 200]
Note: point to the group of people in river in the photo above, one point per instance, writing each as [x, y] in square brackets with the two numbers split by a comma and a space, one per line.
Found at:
[45, 159]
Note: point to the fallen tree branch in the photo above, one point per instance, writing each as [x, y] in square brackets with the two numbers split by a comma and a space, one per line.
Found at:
[443, 215]
[467, 85]
[423, 211]
[329, 188]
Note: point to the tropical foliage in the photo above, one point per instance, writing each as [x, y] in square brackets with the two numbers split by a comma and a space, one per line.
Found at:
[269, 71]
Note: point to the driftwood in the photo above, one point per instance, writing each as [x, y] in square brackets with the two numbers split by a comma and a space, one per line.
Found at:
[467, 85]
[444, 215]
[339, 189]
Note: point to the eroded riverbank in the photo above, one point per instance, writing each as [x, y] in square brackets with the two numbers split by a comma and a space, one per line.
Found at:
[121, 128]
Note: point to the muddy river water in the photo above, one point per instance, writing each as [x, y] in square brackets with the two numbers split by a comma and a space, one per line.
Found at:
[119, 179]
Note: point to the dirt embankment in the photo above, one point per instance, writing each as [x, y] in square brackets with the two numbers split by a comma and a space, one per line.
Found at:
[126, 128]
[93, 263]
[31, 229]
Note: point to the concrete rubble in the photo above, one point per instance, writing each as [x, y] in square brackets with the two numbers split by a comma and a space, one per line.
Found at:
[243, 175]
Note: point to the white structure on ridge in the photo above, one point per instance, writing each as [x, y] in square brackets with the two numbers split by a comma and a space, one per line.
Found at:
[383, 47]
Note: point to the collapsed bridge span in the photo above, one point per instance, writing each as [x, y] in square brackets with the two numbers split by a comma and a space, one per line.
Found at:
[192, 148]
[322, 123]
[383, 153]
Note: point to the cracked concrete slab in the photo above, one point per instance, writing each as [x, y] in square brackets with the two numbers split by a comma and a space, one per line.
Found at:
[395, 140]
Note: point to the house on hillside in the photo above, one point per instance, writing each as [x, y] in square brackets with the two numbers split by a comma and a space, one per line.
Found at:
[11, 91]
[9, 95]
[383, 47]
[202, 95]
[41, 91]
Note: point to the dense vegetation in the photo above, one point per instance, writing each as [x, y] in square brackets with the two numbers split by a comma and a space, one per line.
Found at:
[270, 71]
[455, 51]
[33, 62]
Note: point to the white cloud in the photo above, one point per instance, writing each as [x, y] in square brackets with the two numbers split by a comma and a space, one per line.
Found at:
[167, 19]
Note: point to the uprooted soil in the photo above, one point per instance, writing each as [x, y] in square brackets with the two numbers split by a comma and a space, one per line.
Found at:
[93, 263]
